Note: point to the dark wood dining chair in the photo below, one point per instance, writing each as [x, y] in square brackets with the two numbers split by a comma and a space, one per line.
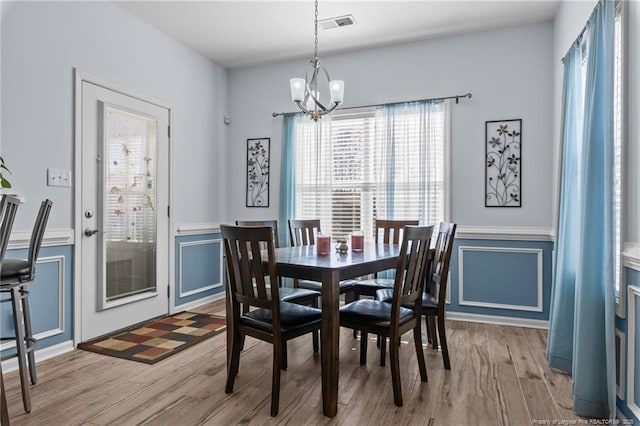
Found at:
[271, 320]
[303, 232]
[387, 232]
[302, 296]
[435, 294]
[393, 319]
[16, 274]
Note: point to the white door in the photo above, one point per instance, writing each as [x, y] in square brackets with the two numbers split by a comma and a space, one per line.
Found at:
[125, 200]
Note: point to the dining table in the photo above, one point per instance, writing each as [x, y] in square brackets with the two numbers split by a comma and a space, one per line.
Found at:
[303, 262]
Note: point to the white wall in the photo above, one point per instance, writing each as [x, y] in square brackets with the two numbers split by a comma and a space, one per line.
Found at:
[569, 21]
[42, 43]
[508, 71]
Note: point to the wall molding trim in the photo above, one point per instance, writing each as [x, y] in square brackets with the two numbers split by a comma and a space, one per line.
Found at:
[219, 284]
[61, 305]
[199, 302]
[631, 256]
[632, 292]
[52, 238]
[540, 279]
[500, 233]
[41, 355]
[622, 362]
[197, 229]
[498, 320]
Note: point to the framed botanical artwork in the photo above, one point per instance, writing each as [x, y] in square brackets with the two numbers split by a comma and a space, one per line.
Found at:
[503, 155]
[258, 172]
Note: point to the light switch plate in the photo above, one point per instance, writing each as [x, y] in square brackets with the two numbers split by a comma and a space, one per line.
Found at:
[58, 177]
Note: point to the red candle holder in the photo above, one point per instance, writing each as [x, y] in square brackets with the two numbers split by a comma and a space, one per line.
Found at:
[323, 244]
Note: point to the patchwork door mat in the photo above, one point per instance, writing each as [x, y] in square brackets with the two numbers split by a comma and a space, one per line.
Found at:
[158, 339]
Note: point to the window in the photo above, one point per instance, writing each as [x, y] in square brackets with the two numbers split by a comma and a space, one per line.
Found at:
[387, 163]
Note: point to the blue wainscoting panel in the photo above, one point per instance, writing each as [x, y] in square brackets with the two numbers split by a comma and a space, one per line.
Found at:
[501, 278]
[629, 358]
[512, 276]
[50, 299]
[199, 267]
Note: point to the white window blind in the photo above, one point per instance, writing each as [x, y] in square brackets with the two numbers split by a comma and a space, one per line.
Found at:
[617, 141]
[387, 163]
[129, 177]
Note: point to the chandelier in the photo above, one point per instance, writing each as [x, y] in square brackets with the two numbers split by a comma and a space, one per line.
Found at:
[304, 91]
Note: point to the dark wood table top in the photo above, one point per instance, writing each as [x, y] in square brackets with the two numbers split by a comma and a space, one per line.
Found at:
[303, 261]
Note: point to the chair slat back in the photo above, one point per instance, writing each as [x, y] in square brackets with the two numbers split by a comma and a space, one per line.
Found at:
[303, 232]
[413, 262]
[37, 234]
[8, 209]
[441, 259]
[247, 282]
[392, 230]
[273, 224]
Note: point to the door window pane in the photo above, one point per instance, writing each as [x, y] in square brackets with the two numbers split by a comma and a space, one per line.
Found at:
[129, 209]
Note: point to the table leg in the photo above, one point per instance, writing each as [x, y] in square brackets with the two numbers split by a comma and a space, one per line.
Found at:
[330, 342]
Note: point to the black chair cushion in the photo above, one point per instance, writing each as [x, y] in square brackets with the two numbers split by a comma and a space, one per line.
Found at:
[384, 295]
[428, 301]
[288, 294]
[372, 311]
[373, 285]
[345, 285]
[292, 316]
[14, 268]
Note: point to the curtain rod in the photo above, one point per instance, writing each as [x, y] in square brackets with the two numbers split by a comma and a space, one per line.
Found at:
[577, 38]
[456, 97]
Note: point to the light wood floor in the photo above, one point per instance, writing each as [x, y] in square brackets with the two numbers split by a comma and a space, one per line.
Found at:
[498, 376]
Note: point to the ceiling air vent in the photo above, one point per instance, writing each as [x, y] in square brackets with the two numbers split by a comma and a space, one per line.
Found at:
[338, 21]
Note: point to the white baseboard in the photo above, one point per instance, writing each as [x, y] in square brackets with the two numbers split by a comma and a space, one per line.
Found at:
[199, 302]
[495, 319]
[42, 354]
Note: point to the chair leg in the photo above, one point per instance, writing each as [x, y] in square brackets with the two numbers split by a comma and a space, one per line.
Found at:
[443, 342]
[284, 361]
[4, 411]
[383, 350]
[395, 369]
[20, 348]
[234, 362]
[275, 381]
[363, 347]
[431, 323]
[417, 338]
[315, 335]
[28, 334]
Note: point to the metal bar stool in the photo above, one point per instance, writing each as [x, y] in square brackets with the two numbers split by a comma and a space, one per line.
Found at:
[15, 275]
[8, 205]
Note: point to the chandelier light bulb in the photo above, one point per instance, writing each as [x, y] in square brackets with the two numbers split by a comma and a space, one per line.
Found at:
[336, 88]
[297, 89]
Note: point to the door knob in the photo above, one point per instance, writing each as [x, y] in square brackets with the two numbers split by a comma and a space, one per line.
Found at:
[90, 232]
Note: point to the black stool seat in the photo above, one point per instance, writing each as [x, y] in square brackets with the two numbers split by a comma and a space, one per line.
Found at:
[372, 311]
[292, 316]
[14, 269]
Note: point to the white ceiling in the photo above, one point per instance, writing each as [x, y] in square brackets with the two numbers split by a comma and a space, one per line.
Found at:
[239, 33]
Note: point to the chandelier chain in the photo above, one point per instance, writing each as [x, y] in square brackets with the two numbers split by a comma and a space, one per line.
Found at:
[315, 33]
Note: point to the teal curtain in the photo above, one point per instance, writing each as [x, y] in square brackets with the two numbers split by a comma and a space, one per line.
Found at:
[287, 176]
[560, 344]
[592, 359]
